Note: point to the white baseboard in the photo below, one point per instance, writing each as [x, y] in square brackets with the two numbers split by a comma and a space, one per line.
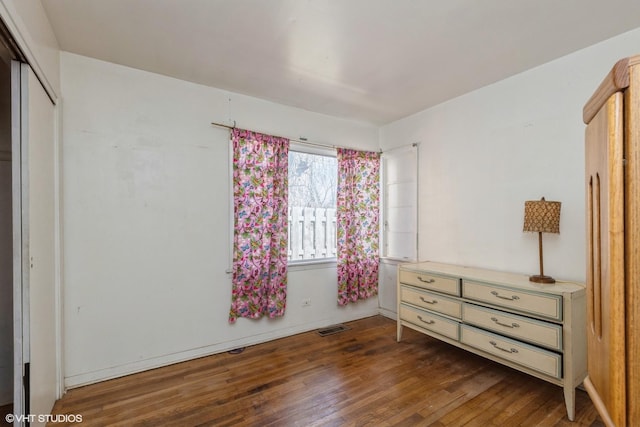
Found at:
[388, 313]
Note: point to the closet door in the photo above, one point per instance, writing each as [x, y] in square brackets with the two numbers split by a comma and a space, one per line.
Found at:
[41, 250]
[605, 261]
[35, 297]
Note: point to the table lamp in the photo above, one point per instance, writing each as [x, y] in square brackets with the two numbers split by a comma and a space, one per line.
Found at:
[541, 216]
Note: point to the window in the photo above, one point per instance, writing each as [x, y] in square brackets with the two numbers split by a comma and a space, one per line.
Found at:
[313, 177]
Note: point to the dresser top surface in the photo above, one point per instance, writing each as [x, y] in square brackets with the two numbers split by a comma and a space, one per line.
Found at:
[494, 277]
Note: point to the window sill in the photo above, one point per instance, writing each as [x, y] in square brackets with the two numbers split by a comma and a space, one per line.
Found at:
[312, 264]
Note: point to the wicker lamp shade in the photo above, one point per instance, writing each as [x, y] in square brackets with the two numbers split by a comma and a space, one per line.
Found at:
[540, 217]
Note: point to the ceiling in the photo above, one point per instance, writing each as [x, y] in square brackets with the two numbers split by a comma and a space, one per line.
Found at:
[369, 60]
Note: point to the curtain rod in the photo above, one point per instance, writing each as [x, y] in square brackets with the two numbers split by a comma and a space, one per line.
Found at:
[302, 140]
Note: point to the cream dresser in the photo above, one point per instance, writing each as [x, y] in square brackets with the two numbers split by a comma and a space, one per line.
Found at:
[535, 328]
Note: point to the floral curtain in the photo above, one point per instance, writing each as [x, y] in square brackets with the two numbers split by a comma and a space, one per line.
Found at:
[357, 222]
[260, 188]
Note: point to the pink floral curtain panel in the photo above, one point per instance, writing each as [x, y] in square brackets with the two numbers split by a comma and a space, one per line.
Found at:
[260, 188]
[358, 224]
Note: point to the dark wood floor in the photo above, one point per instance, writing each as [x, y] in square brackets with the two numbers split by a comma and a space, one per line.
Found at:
[360, 377]
[4, 411]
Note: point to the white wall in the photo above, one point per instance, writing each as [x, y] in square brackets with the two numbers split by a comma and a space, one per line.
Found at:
[147, 220]
[483, 154]
[28, 23]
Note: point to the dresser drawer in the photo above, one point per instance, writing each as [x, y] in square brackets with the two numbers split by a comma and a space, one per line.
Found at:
[448, 285]
[431, 301]
[430, 321]
[544, 305]
[538, 359]
[534, 331]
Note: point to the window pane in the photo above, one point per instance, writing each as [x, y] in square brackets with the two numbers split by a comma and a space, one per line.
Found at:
[312, 206]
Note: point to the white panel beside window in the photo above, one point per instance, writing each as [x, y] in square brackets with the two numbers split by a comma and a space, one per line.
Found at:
[400, 203]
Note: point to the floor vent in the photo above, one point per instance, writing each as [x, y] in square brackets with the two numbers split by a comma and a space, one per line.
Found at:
[333, 329]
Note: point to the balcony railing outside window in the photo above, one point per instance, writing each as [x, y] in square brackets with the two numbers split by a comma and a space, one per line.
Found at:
[312, 233]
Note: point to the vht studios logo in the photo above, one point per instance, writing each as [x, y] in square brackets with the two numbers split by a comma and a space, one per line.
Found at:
[44, 418]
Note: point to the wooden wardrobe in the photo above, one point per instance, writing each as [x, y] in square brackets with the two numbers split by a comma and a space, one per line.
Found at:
[612, 155]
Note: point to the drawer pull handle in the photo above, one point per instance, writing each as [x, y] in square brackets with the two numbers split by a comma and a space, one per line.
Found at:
[493, 343]
[513, 297]
[428, 322]
[428, 302]
[426, 280]
[513, 325]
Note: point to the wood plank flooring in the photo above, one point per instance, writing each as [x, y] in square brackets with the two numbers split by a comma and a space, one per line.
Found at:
[360, 377]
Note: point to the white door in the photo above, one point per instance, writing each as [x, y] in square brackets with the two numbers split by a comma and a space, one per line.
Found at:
[35, 296]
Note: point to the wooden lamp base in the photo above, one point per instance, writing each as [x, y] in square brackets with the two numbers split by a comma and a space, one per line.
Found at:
[542, 279]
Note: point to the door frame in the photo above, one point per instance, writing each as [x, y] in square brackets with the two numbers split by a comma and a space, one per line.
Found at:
[20, 274]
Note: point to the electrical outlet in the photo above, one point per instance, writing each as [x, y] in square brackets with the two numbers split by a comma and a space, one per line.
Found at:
[306, 302]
